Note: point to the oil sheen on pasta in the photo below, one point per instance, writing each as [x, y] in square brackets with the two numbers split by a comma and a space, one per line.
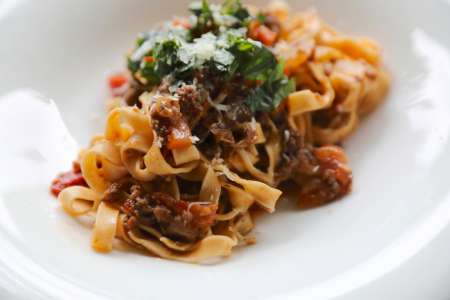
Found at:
[214, 115]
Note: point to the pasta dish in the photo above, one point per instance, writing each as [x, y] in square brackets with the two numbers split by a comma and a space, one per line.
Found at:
[217, 113]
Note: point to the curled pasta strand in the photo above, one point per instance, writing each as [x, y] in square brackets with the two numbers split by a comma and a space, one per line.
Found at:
[228, 216]
[245, 159]
[356, 48]
[237, 162]
[177, 246]
[248, 165]
[185, 155]
[211, 188]
[196, 174]
[244, 224]
[132, 153]
[306, 100]
[157, 164]
[350, 103]
[264, 195]
[239, 199]
[100, 164]
[105, 228]
[303, 125]
[79, 200]
[123, 122]
[209, 247]
[376, 91]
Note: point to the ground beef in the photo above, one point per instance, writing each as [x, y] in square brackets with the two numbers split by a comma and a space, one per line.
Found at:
[166, 116]
[192, 103]
[245, 135]
[293, 152]
[238, 113]
[324, 177]
[132, 94]
[232, 127]
[179, 220]
[321, 172]
[221, 133]
[117, 192]
[211, 149]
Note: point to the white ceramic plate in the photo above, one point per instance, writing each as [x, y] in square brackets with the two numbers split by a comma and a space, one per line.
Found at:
[389, 239]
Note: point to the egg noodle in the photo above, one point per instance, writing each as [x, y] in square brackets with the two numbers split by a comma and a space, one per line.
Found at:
[186, 157]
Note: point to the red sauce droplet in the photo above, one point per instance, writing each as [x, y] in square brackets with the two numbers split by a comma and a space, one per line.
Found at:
[65, 180]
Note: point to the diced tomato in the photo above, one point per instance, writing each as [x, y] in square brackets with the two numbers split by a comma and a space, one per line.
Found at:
[65, 180]
[181, 22]
[117, 80]
[149, 59]
[266, 36]
[179, 137]
[179, 143]
[262, 33]
[253, 29]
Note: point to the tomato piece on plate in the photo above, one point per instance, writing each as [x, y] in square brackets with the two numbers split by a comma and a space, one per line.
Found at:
[117, 80]
[65, 180]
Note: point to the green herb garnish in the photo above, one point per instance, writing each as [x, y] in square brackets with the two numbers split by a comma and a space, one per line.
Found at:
[236, 9]
[261, 18]
[217, 44]
[204, 19]
[253, 60]
[269, 95]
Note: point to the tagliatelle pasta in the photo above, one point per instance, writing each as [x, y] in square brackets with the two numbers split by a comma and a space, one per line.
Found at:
[215, 113]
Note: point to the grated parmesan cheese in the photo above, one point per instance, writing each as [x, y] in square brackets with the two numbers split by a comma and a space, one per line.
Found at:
[253, 123]
[287, 135]
[158, 142]
[194, 139]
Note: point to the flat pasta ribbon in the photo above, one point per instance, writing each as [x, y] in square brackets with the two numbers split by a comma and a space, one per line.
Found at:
[79, 200]
[210, 247]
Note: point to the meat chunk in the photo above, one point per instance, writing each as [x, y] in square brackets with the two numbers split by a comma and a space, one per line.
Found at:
[169, 123]
[116, 192]
[179, 220]
[321, 173]
[222, 133]
[293, 152]
[131, 96]
[328, 180]
[192, 104]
